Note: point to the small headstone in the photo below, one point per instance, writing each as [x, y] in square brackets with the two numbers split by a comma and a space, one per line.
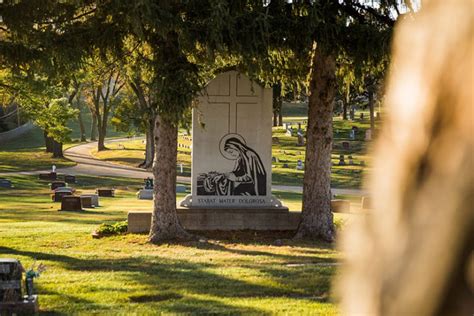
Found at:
[5, 183]
[361, 115]
[86, 202]
[94, 199]
[275, 140]
[53, 168]
[11, 272]
[69, 179]
[58, 195]
[352, 134]
[285, 165]
[57, 184]
[289, 132]
[341, 160]
[351, 161]
[71, 203]
[346, 145]
[145, 194]
[106, 192]
[299, 165]
[48, 176]
[368, 134]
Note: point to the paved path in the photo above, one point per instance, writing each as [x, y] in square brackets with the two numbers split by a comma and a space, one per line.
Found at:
[89, 165]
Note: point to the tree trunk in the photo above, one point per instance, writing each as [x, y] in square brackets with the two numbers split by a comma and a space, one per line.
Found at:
[94, 126]
[344, 110]
[316, 217]
[81, 126]
[57, 149]
[102, 133]
[165, 225]
[275, 118]
[48, 142]
[280, 115]
[371, 109]
[150, 146]
[413, 254]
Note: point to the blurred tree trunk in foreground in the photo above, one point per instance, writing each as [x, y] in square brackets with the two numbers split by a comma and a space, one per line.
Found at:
[413, 255]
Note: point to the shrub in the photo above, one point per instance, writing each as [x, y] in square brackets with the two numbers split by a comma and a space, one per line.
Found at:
[112, 229]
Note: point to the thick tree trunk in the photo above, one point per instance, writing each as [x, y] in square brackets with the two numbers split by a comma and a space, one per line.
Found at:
[101, 142]
[280, 117]
[316, 217]
[150, 146]
[48, 142]
[57, 149]
[413, 255]
[165, 225]
[94, 126]
[275, 118]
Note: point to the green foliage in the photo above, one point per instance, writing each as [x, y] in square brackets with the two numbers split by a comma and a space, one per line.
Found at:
[112, 229]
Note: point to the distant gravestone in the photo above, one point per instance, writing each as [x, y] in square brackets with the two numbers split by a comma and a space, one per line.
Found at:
[275, 140]
[57, 184]
[351, 161]
[58, 195]
[86, 202]
[71, 203]
[346, 145]
[105, 192]
[289, 132]
[48, 176]
[361, 116]
[368, 134]
[341, 160]
[285, 165]
[300, 139]
[299, 165]
[366, 203]
[69, 179]
[94, 199]
[5, 183]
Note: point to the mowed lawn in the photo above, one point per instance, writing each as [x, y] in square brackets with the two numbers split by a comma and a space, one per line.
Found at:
[233, 274]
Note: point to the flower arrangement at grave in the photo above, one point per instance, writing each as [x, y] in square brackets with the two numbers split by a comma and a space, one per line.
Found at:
[31, 274]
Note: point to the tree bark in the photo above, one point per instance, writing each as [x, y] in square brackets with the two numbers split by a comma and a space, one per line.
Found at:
[280, 115]
[93, 126]
[275, 118]
[48, 142]
[316, 217]
[344, 110]
[150, 146]
[413, 254]
[57, 149]
[81, 126]
[165, 224]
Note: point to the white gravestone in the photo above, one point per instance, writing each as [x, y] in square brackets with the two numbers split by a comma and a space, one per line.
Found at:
[232, 141]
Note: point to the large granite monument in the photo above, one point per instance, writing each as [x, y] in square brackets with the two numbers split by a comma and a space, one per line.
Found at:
[232, 145]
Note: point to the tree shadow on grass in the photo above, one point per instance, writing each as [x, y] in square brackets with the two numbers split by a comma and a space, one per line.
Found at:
[176, 276]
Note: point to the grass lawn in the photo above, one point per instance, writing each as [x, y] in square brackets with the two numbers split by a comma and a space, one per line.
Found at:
[229, 274]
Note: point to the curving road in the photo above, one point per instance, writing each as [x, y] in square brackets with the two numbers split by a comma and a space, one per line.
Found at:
[89, 165]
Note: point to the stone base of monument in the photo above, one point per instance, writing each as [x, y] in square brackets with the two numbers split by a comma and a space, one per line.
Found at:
[27, 306]
[145, 194]
[264, 219]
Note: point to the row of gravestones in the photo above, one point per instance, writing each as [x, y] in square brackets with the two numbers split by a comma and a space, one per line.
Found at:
[61, 192]
[146, 193]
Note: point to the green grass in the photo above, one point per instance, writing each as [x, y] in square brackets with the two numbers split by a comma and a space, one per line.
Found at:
[229, 274]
